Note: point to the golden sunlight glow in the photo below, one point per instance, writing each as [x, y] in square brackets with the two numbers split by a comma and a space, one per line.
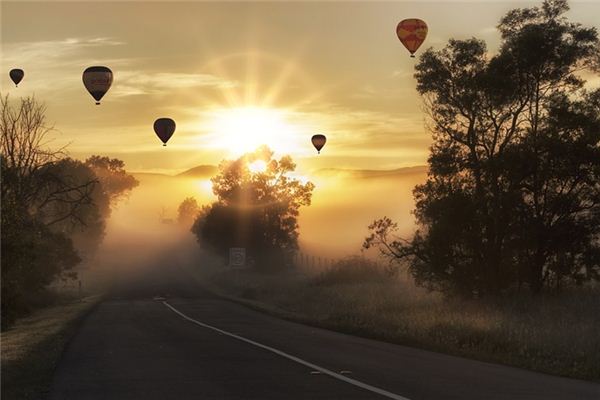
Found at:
[241, 130]
[257, 166]
[204, 185]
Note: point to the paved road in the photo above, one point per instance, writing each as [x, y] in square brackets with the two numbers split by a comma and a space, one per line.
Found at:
[135, 346]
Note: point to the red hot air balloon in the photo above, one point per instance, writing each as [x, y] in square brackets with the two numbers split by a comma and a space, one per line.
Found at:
[412, 33]
[97, 81]
[164, 128]
[318, 141]
[16, 75]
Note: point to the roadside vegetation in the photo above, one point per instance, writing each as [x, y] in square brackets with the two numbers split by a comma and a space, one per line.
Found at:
[504, 263]
[547, 333]
[32, 347]
[54, 208]
[512, 197]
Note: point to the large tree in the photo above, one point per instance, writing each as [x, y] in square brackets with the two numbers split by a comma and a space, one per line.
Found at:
[257, 208]
[53, 207]
[33, 255]
[512, 195]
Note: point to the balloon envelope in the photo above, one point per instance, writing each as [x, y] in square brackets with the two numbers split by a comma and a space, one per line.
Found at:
[164, 128]
[319, 141]
[16, 75]
[97, 81]
[412, 32]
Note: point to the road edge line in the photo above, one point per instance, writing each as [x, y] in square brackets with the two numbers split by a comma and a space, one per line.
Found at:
[298, 360]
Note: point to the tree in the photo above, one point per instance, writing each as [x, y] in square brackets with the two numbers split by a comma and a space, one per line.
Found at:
[512, 196]
[85, 225]
[53, 207]
[33, 255]
[111, 173]
[256, 210]
[188, 211]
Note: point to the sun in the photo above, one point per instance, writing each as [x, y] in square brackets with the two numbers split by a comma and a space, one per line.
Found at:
[244, 129]
[257, 166]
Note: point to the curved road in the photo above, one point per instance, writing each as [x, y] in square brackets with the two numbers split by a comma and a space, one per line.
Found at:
[162, 337]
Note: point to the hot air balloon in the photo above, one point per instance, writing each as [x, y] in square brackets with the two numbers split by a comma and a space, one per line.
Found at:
[16, 75]
[412, 33]
[164, 128]
[319, 141]
[97, 81]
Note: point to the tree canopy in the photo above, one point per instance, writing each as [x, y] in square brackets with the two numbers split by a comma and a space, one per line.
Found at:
[256, 209]
[188, 211]
[513, 190]
[53, 207]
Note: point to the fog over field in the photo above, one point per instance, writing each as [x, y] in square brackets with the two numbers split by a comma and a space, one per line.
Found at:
[344, 203]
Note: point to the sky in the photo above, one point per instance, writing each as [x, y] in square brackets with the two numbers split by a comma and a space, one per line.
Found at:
[236, 75]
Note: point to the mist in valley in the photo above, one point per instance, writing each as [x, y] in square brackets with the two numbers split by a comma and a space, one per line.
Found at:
[143, 227]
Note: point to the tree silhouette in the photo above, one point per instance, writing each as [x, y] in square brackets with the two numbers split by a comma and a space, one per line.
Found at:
[116, 182]
[53, 207]
[188, 211]
[255, 210]
[512, 196]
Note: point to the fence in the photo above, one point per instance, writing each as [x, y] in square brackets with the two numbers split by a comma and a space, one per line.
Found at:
[310, 261]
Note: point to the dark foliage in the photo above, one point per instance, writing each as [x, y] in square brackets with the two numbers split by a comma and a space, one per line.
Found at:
[513, 191]
[53, 208]
[255, 210]
[188, 211]
[352, 270]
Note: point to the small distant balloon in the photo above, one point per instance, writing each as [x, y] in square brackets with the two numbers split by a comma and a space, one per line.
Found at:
[164, 128]
[412, 33]
[16, 75]
[319, 141]
[97, 81]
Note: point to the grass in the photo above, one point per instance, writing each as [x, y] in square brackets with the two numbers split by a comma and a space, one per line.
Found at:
[32, 346]
[552, 334]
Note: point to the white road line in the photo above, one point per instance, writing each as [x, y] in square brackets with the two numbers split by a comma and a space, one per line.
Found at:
[326, 371]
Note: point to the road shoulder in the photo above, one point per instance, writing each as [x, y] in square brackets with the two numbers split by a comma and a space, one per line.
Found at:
[33, 346]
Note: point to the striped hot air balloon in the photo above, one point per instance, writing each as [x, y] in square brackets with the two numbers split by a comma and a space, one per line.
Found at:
[412, 33]
[97, 81]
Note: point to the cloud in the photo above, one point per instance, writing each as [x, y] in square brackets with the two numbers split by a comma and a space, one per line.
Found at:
[490, 30]
[53, 63]
[52, 53]
[138, 82]
[402, 73]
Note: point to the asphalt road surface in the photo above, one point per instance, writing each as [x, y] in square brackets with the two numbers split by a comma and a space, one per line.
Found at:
[160, 336]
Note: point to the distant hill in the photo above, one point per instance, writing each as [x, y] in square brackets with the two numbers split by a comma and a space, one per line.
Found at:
[201, 171]
[373, 173]
[148, 174]
[208, 171]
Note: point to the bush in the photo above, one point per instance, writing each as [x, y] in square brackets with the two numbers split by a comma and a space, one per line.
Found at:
[350, 270]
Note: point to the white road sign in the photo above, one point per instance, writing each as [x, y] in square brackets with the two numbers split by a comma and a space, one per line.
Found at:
[237, 257]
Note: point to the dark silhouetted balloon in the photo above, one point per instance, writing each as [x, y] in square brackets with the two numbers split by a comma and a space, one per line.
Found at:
[97, 81]
[16, 75]
[164, 128]
[319, 141]
[412, 33]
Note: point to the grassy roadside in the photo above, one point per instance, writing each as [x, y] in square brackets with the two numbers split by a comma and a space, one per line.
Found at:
[31, 348]
[555, 335]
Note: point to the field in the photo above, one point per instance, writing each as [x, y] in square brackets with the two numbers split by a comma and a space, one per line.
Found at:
[552, 334]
